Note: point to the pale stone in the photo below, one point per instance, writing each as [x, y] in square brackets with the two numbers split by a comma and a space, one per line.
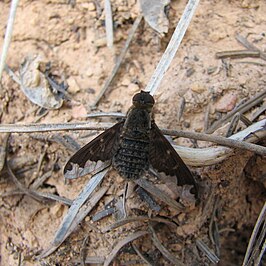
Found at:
[73, 86]
[198, 88]
[226, 103]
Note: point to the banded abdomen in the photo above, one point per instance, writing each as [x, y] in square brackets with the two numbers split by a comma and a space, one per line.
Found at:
[131, 158]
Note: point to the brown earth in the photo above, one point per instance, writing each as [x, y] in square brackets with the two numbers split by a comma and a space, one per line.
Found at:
[72, 37]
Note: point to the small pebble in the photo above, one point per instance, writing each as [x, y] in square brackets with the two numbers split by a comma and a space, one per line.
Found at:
[73, 86]
[226, 103]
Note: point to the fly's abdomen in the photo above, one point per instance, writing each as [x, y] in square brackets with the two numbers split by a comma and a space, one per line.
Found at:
[131, 159]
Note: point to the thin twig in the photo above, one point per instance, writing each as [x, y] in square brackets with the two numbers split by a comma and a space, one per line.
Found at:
[102, 214]
[251, 63]
[259, 112]
[207, 252]
[12, 74]
[240, 109]
[181, 108]
[260, 221]
[21, 187]
[8, 35]
[213, 228]
[3, 150]
[237, 54]
[166, 253]
[119, 61]
[30, 128]
[41, 179]
[138, 219]
[172, 47]
[83, 251]
[108, 23]
[214, 153]
[242, 40]
[220, 140]
[122, 243]
[103, 114]
[142, 256]
[161, 195]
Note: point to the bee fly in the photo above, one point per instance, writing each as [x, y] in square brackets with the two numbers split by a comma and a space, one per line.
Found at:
[132, 146]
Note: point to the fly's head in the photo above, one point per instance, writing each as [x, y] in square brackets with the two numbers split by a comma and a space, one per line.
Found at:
[143, 100]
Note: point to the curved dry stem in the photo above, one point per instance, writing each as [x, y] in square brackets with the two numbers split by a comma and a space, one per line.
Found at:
[191, 156]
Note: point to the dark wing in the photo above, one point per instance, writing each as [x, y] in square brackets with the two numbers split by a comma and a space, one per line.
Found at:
[164, 158]
[101, 148]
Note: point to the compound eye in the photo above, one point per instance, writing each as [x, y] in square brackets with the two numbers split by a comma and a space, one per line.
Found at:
[143, 97]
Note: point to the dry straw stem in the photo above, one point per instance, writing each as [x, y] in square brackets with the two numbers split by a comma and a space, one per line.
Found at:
[153, 190]
[119, 61]
[108, 23]
[242, 40]
[191, 156]
[250, 259]
[206, 250]
[142, 256]
[166, 253]
[122, 243]
[133, 219]
[8, 35]
[3, 150]
[82, 213]
[172, 47]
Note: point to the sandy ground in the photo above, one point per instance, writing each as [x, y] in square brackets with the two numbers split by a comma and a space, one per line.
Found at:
[72, 38]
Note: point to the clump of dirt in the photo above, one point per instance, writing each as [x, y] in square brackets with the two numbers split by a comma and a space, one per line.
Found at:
[72, 36]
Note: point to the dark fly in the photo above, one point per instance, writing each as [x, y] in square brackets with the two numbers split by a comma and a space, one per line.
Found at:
[132, 146]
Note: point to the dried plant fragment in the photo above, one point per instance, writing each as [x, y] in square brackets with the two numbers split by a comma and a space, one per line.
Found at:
[154, 14]
[71, 221]
[207, 252]
[35, 84]
[3, 149]
[122, 243]
[166, 253]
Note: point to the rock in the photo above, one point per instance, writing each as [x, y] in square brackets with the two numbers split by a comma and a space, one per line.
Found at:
[198, 88]
[226, 103]
[73, 86]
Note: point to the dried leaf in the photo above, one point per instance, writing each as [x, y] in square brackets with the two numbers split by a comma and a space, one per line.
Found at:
[153, 11]
[64, 232]
[77, 203]
[148, 186]
[35, 85]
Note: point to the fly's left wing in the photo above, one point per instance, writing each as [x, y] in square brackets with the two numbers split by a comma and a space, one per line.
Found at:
[91, 156]
[164, 158]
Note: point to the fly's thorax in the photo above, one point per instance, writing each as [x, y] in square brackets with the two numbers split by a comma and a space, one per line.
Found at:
[138, 123]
